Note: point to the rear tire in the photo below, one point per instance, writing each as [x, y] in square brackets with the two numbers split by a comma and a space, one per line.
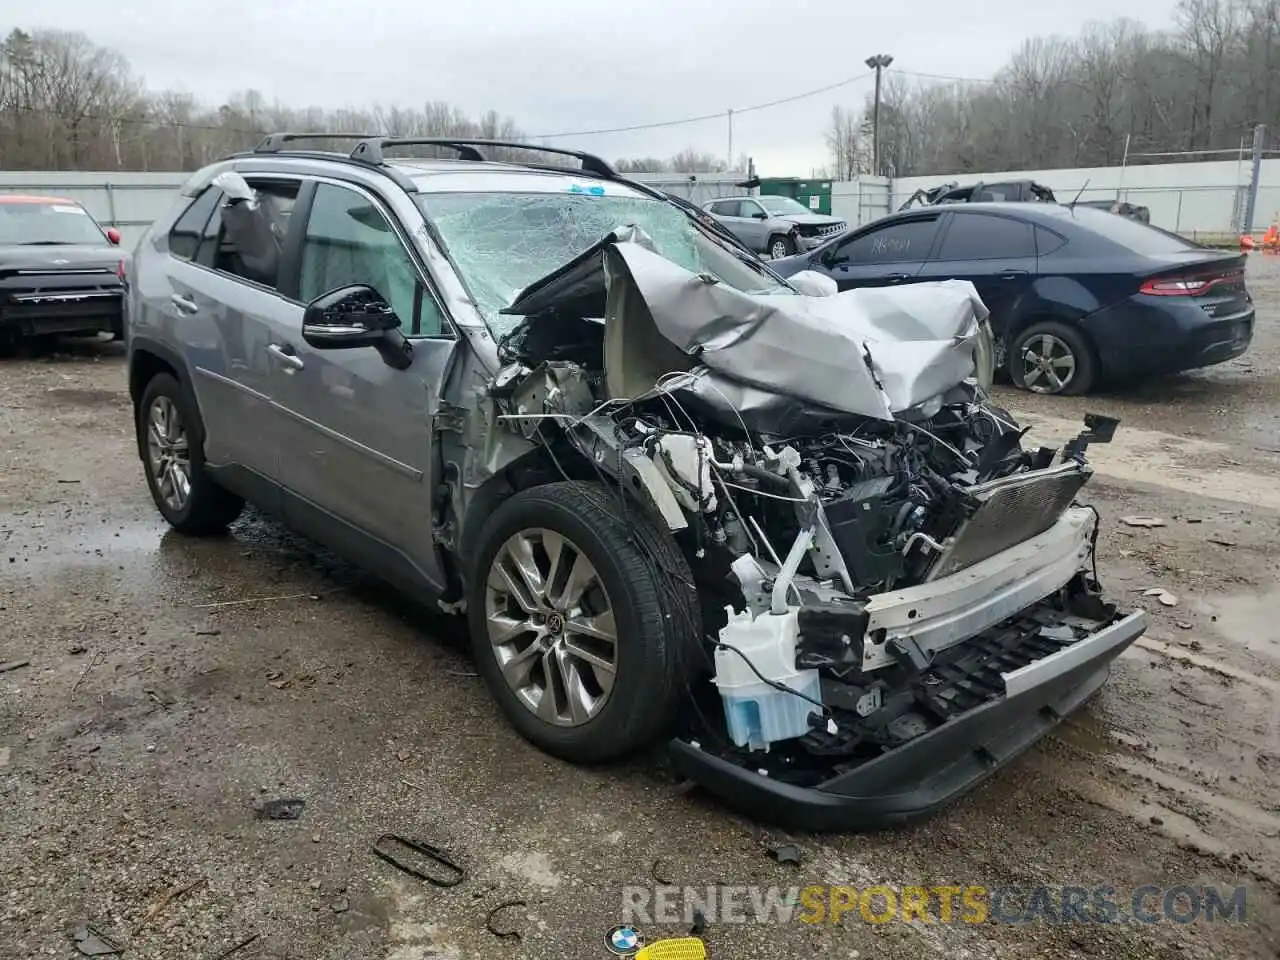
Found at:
[596, 568]
[171, 443]
[1053, 358]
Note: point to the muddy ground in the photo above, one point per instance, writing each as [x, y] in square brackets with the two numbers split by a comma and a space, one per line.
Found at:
[165, 699]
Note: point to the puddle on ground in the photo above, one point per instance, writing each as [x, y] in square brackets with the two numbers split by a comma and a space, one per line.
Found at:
[1249, 621]
[105, 545]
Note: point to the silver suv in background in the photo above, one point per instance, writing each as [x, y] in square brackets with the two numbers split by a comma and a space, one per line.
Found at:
[678, 500]
[776, 226]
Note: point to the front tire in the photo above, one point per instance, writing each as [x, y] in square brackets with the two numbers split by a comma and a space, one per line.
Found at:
[172, 449]
[780, 246]
[583, 615]
[1053, 358]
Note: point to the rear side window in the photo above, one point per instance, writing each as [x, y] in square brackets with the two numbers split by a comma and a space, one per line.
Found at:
[896, 242]
[974, 236]
[1047, 241]
[184, 238]
[249, 244]
[1140, 238]
[207, 255]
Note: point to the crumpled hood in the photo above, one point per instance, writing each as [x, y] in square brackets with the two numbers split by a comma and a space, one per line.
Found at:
[871, 352]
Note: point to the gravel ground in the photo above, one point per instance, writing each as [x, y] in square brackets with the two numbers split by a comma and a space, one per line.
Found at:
[159, 709]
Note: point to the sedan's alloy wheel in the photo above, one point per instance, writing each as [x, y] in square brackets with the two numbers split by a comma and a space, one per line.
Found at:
[1048, 364]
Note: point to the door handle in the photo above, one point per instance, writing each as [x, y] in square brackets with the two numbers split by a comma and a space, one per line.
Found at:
[1013, 274]
[184, 303]
[287, 357]
[897, 277]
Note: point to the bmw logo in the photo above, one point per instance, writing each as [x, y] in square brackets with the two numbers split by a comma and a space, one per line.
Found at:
[624, 941]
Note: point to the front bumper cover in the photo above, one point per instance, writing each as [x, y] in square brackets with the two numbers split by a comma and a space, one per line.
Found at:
[935, 768]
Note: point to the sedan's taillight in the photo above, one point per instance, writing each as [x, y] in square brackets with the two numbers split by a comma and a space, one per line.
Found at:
[120, 271]
[1187, 286]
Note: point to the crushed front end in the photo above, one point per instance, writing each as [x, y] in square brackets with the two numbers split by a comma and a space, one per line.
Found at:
[897, 596]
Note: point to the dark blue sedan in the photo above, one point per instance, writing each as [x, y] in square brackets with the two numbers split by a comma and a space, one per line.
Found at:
[1078, 296]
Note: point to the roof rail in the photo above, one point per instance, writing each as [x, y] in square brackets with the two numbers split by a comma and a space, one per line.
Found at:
[370, 150]
[276, 142]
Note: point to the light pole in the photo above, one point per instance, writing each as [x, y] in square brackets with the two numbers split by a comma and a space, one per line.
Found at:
[877, 63]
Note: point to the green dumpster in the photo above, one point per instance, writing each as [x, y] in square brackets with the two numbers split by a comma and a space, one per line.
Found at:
[814, 194]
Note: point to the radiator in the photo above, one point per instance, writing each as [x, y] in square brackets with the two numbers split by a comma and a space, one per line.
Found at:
[1010, 510]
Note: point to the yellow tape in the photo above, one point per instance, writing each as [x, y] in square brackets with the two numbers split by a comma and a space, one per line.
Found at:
[680, 948]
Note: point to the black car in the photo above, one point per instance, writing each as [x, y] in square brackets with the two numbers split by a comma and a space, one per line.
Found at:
[1122, 208]
[60, 271]
[1077, 296]
[1007, 191]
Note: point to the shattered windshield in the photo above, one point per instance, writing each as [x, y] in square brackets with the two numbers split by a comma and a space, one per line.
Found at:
[502, 242]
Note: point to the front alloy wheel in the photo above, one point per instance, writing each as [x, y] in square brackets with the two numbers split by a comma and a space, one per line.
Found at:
[551, 625]
[584, 620]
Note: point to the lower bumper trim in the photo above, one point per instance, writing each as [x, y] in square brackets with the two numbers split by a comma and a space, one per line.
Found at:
[932, 770]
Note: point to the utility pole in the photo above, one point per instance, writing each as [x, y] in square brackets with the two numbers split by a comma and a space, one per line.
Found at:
[877, 63]
[1251, 199]
[730, 158]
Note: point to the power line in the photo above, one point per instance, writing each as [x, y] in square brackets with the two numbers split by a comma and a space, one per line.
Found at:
[720, 115]
[155, 123]
[162, 124]
[942, 76]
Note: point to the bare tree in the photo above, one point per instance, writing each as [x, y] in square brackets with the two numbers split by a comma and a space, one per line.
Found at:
[66, 102]
[846, 144]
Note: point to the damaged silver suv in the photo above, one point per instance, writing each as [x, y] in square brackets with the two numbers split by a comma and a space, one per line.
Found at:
[682, 501]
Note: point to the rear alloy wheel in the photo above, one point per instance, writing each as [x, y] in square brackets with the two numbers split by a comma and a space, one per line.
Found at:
[580, 613]
[1052, 358]
[781, 247]
[173, 455]
[169, 453]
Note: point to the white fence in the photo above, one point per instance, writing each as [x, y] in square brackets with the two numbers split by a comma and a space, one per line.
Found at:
[1195, 199]
[860, 201]
[131, 201]
[126, 201]
[697, 188]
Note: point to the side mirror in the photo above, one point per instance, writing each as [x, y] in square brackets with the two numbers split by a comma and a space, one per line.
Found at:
[833, 257]
[114, 236]
[356, 316]
[759, 215]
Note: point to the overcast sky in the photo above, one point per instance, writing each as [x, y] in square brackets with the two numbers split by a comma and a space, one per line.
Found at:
[576, 65]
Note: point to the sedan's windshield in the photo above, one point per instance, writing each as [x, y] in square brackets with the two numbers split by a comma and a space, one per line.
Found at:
[41, 223]
[783, 206]
[502, 242]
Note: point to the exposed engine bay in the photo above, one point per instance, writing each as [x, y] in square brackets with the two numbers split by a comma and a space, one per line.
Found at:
[874, 549]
